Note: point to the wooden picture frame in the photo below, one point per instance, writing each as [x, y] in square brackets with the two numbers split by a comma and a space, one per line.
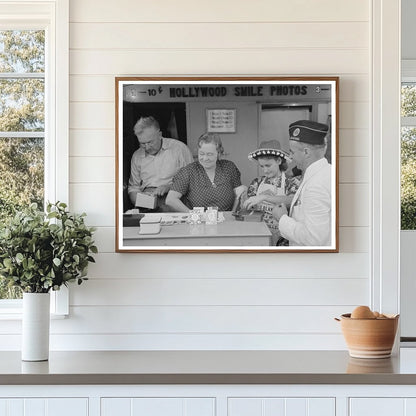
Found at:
[259, 110]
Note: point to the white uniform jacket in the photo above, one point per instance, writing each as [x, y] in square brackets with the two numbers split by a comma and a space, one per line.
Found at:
[309, 220]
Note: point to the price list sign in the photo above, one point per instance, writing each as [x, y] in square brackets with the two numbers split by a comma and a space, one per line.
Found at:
[221, 120]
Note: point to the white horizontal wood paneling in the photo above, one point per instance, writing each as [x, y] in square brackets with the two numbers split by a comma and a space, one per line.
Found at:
[220, 291]
[354, 87]
[88, 115]
[95, 143]
[105, 239]
[353, 170]
[92, 169]
[354, 205]
[184, 341]
[100, 88]
[187, 341]
[295, 265]
[96, 199]
[218, 11]
[354, 142]
[201, 319]
[354, 239]
[222, 35]
[354, 114]
[96, 88]
[203, 301]
[219, 62]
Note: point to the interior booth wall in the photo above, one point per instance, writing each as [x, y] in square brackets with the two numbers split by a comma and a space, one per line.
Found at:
[237, 145]
[222, 301]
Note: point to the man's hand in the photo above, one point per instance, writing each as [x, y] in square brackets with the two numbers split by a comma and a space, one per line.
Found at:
[161, 190]
[279, 211]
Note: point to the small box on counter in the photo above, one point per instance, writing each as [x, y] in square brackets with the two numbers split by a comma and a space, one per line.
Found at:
[146, 201]
[150, 224]
[249, 216]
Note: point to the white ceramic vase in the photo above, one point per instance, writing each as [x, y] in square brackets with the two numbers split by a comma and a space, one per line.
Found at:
[35, 326]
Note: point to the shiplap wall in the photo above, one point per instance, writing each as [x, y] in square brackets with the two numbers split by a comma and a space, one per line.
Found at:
[215, 301]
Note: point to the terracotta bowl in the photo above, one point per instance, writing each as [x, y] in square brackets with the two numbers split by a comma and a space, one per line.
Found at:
[369, 338]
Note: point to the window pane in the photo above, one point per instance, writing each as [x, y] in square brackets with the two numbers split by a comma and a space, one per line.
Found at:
[408, 178]
[22, 105]
[21, 182]
[21, 173]
[22, 51]
[22, 109]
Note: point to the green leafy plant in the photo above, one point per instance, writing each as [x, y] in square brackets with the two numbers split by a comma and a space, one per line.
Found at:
[42, 251]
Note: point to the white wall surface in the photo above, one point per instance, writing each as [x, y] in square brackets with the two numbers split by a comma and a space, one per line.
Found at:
[214, 301]
[210, 301]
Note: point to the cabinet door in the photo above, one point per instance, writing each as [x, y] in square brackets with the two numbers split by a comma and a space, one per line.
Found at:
[382, 406]
[377, 406]
[44, 407]
[158, 406]
[272, 406]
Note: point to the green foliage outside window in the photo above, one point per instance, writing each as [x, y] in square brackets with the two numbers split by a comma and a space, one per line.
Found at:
[21, 110]
[408, 179]
[408, 101]
[408, 159]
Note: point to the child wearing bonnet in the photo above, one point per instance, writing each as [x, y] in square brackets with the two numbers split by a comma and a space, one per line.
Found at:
[274, 187]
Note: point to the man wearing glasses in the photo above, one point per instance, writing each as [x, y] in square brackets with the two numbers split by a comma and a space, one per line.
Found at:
[155, 163]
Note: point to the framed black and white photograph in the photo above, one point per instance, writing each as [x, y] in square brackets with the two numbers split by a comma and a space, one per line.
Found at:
[235, 164]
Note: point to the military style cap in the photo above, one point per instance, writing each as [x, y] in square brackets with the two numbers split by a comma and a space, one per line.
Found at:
[308, 131]
[269, 148]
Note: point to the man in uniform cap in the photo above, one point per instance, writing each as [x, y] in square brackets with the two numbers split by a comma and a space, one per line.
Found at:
[308, 222]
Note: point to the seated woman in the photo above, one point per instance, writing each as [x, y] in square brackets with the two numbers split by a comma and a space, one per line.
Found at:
[211, 181]
[274, 187]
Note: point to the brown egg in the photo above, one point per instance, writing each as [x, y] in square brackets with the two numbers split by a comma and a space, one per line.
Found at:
[362, 312]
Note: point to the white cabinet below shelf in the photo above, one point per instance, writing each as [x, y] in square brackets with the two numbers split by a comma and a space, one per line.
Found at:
[158, 406]
[382, 406]
[44, 407]
[278, 406]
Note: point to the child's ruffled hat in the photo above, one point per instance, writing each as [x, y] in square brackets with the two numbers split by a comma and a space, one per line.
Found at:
[269, 148]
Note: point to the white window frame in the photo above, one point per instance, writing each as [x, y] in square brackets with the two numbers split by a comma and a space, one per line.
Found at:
[385, 116]
[53, 17]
